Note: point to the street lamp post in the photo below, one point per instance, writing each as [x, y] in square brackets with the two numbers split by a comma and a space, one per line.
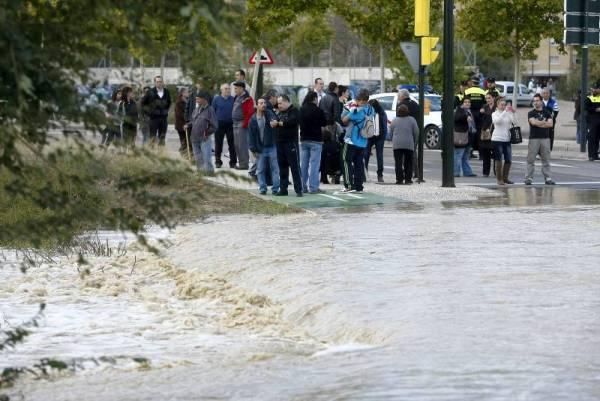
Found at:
[448, 100]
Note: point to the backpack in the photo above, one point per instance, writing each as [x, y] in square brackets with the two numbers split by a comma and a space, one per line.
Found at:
[368, 128]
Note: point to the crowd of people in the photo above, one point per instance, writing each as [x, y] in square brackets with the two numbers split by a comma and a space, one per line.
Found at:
[330, 137]
[486, 122]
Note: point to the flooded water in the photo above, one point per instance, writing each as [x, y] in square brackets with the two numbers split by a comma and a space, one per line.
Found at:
[449, 302]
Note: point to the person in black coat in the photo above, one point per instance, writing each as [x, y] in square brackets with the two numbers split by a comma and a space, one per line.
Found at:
[129, 117]
[157, 103]
[377, 141]
[312, 121]
[287, 145]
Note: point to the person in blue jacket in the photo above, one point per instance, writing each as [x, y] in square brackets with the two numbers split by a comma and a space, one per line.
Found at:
[354, 143]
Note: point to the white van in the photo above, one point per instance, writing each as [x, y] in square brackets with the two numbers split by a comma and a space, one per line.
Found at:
[506, 89]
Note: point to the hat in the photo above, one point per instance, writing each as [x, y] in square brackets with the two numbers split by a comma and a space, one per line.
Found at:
[491, 79]
[596, 85]
[240, 83]
[203, 95]
[475, 80]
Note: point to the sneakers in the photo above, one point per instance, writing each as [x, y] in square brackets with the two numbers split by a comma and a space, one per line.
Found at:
[528, 181]
[281, 193]
[318, 191]
[345, 190]
[549, 181]
[380, 178]
[263, 192]
[299, 194]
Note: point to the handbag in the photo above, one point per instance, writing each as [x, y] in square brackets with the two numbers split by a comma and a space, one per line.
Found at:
[515, 134]
[486, 134]
[461, 138]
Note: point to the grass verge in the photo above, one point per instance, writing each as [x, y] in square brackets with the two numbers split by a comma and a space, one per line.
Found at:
[47, 206]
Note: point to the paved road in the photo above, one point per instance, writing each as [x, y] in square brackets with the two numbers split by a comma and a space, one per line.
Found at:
[565, 171]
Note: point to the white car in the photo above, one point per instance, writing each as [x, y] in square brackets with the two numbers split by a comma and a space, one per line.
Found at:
[507, 88]
[432, 121]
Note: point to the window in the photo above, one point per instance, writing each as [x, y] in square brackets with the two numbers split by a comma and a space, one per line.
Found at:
[554, 60]
[387, 102]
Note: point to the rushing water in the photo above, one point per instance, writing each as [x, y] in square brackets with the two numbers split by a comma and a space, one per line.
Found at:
[438, 303]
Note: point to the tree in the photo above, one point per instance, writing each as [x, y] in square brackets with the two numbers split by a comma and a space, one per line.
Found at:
[47, 46]
[511, 28]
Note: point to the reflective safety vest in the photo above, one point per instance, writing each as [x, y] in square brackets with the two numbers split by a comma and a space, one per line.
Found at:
[494, 92]
[458, 99]
[477, 96]
[591, 104]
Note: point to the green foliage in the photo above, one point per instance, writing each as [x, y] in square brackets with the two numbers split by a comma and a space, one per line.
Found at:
[109, 191]
[505, 28]
[51, 192]
[309, 35]
[266, 23]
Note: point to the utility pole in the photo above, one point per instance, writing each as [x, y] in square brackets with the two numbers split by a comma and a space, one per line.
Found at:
[426, 56]
[448, 99]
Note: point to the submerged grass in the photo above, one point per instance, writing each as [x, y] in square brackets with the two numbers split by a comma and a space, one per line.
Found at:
[107, 186]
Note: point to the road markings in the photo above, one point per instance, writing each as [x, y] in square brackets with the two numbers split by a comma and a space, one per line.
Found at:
[551, 164]
[334, 197]
[354, 196]
[490, 184]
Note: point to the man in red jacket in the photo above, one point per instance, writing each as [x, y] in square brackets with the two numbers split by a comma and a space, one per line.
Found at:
[243, 109]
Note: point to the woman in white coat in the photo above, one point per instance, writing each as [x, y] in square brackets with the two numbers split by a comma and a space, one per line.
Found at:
[503, 119]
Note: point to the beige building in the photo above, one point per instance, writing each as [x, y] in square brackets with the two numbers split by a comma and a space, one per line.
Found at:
[549, 62]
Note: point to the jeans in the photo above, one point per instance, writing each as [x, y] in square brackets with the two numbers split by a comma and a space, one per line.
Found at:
[268, 155]
[288, 159]
[502, 148]
[542, 147]
[378, 141]
[225, 130]
[353, 166]
[240, 140]
[461, 161]
[145, 128]
[158, 130]
[203, 155]
[309, 165]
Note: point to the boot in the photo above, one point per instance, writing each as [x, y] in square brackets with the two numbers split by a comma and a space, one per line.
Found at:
[498, 168]
[505, 173]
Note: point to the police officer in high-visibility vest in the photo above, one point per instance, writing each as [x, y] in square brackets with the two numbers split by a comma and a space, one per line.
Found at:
[491, 87]
[592, 107]
[477, 97]
[460, 94]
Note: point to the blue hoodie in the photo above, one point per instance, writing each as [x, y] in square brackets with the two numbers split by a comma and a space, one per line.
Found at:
[358, 117]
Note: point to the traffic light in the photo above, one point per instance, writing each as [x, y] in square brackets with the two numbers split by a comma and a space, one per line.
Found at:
[421, 18]
[428, 55]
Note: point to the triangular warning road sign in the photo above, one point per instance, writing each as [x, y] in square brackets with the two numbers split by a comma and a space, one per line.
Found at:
[265, 57]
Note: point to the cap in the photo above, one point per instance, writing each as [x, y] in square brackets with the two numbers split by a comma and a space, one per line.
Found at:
[203, 95]
[596, 85]
[475, 80]
[240, 83]
[491, 79]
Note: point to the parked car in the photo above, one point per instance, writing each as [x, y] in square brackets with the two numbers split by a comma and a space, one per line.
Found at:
[432, 121]
[413, 88]
[506, 89]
